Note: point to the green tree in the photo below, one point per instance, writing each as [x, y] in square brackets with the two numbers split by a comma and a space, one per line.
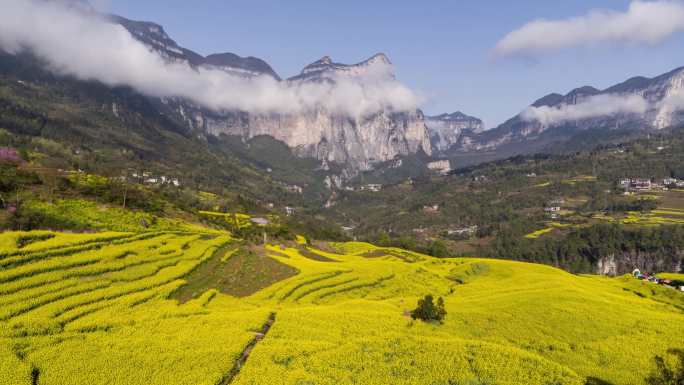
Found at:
[668, 372]
[438, 249]
[428, 311]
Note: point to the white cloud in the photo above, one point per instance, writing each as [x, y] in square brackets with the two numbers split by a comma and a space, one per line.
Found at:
[645, 22]
[81, 44]
[592, 107]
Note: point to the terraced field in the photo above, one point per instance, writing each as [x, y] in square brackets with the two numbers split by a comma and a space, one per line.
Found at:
[103, 309]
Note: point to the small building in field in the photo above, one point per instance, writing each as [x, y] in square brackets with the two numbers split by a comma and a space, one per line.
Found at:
[294, 189]
[259, 221]
[642, 184]
[431, 209]
[681, 288]
[441, 166]
[9, 155]
[552, 209]
[670, 182]
[289, 211]
[468, 230]
[372, 187]
[637, 184]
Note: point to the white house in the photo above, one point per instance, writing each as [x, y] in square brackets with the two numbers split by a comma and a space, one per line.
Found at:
[642, 184]
[289, 211]
[259, 221]
[294, 189]
[372, 187]
[431, 208]
[470, 230]
[669, 181]
[441, 166]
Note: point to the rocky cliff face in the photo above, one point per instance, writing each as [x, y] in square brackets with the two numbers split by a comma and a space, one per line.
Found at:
[355, 141]
[625, 263]
[359, 142]
[446, 129]
[637, 104]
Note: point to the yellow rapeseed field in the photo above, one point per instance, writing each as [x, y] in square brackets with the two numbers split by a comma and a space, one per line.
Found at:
[97, 309]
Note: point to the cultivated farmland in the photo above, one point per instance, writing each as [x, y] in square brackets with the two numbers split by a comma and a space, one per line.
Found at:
[182, 307]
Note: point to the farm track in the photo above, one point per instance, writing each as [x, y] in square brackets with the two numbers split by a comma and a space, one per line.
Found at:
[244, 356]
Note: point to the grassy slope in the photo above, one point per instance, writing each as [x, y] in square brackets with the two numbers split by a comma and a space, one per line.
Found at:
[100, 315]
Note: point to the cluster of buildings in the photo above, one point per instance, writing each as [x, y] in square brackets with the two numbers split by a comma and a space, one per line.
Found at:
[554, 207]
[643, 184]
[464, 231]
[147, 177]
[372, 187]
[646, 277]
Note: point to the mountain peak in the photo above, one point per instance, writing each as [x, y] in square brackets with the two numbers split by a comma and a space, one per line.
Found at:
[548, 100]
[232, 61]
[325, 65]
[379, 57]
[586, 90]
[446, 130]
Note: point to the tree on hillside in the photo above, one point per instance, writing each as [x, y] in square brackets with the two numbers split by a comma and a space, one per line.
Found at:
[428, 311]
[438, 249]
[668, 370]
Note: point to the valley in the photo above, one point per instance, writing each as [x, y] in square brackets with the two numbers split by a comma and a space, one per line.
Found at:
[174, 213]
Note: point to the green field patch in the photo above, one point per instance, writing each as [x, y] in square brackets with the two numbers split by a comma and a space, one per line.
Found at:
[539, 233]
[244, 273]
[672, 276]
[580, 179]
[87, 215]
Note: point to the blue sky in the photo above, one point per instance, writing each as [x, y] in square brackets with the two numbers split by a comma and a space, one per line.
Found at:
[440, 48]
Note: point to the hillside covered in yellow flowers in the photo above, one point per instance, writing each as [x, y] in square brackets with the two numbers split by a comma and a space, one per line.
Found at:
[205, 308]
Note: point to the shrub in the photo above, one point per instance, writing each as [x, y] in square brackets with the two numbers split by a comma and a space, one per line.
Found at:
[428, 311]
[665, 372]
[438, 249]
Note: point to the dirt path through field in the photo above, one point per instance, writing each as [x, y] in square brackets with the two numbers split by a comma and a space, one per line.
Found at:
[230, 376]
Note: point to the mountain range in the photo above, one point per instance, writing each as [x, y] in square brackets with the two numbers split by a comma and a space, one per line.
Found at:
[359, 142]
[638, 104]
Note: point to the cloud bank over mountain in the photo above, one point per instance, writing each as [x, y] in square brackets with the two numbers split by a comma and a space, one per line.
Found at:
[592, 107]
[78, 42]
